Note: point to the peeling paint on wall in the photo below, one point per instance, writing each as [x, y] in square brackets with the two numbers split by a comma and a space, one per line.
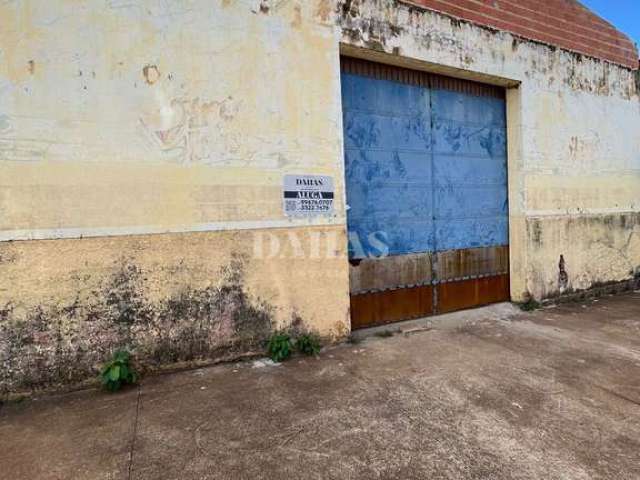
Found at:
[151, 74]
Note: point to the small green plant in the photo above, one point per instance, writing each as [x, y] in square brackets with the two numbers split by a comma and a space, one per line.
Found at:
[279, 346]
[308, 344]
[118, 372]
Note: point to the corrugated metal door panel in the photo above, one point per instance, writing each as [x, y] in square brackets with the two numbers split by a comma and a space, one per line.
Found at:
[471, 203]
[391, 272]
[456, 265]
[387, 127]
[470, 171]
[426, 188]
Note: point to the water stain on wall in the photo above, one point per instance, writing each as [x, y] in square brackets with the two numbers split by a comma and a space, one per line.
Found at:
[563, 276]
[581, 252]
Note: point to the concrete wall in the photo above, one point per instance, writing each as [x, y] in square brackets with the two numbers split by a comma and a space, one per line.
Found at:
[174, 122]
[143, 145]
[190, 111]
[66, 304]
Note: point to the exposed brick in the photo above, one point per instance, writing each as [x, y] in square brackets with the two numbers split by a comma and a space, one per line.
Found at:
[564, 23]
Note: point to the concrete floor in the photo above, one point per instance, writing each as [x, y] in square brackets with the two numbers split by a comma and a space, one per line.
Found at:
[486, 394]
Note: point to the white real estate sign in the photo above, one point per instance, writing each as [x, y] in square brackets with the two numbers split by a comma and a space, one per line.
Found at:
[307, 195]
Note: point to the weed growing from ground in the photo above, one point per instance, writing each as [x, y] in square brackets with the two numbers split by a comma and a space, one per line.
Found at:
[308, 344]
[118, 372]
[280, 346]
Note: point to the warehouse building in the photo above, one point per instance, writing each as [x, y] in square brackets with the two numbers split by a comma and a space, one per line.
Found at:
[182, 178]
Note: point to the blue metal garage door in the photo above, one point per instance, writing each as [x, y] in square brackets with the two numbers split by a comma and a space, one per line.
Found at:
[426, 175]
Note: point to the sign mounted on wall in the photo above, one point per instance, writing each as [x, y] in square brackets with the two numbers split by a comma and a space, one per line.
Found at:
[307, 195]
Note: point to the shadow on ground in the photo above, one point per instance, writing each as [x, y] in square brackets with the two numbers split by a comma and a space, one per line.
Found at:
[554, 394]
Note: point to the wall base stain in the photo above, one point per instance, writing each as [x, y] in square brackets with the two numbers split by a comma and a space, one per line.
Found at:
[594, 291]
[175, 299]
[594, 250]
[49, 346]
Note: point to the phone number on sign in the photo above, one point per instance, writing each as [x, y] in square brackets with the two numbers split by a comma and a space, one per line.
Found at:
[315, 205]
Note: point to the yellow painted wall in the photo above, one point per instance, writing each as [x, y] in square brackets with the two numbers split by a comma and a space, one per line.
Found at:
[281, 267]
[189, 297]
[153, 116]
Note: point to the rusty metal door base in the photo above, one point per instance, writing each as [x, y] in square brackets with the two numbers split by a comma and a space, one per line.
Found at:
[379, 308]
[454, 296]
[391, 306]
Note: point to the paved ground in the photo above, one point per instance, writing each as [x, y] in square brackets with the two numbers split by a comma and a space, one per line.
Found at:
[483, 395]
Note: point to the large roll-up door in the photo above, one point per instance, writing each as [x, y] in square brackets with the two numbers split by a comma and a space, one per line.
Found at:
[426, 175]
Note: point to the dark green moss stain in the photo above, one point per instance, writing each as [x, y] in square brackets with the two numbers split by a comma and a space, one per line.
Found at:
[54, 346]
[596, 290]
[123, 297]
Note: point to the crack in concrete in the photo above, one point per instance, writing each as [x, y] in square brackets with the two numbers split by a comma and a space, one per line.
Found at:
[619, 395]
[135, 434]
